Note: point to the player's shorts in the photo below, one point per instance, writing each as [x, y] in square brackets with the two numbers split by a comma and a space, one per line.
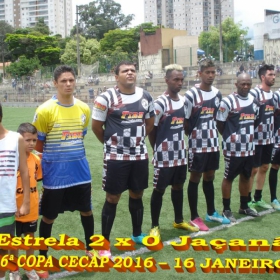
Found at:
[121, 175]
[165, 176]
[55, 201]
[262, 154]
[235, 166]
[203, 162]
[275, 156]
[25, 227]
[7, 223]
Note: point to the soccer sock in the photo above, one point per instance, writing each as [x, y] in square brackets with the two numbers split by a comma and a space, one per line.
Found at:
[258, 195]
[208, 189]
[273, 183]
[88, 225]
[192, 197]
[107, 217]
[156, 203]
[243, 202]
[177, 201]
[45, 231]
[136, 210]
[226, 203]
[249, 197]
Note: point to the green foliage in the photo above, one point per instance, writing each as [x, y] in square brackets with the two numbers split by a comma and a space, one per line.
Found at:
[23, 67]
[100, 16]
[209, 41]
[41, 27]
[5, 28]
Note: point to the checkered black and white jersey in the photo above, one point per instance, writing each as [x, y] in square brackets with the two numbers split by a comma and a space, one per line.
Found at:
[201, 110]
[239, 114]
[276, 97]
[264, 132]
[170, 146]
[124, 120]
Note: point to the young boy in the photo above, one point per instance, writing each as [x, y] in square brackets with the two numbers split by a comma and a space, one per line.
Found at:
[27, 225]
[13, 157]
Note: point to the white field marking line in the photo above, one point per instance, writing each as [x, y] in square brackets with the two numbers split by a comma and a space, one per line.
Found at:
[144, 250]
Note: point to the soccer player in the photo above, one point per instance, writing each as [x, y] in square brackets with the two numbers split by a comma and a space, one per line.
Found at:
[170, 159]
[13, 156]
[235, 121]
[275, 158]
[202, 103]
[62, 125]
[121, 119]
[27, 225]
[264, 134]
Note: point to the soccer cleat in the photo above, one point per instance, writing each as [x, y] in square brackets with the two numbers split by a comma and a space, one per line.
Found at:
[93, 253]
[32, 275]
[216, 217]
[155, 232]
[15, 275]
[251, 205]
[249, 212]
[138, 239]
[275, 204]
[261, 203]
[197, 222]
[186, 226]
[105, 253]
[43, 274]
[228, 214]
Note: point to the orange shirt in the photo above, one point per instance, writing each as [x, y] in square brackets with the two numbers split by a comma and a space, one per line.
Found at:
[35, 174]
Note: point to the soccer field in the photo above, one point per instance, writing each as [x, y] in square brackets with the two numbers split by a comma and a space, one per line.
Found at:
[199, 252]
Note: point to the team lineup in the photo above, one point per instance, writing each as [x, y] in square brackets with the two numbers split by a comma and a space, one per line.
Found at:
[123, 118]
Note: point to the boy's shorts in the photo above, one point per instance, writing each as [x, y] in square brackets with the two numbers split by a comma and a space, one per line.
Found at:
[7, 223]
[26, 227]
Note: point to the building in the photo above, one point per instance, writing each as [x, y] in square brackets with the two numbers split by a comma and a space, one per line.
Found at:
[195, 16]
[57, 14]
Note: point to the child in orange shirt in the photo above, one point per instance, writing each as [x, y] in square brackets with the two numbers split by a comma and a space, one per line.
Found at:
[27, 225]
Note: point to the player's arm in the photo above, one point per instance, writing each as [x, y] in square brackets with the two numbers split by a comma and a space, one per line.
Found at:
[98, 129]
[23, 168]
[152, 136]
[149, 125]
[39, 146]
[220, 126]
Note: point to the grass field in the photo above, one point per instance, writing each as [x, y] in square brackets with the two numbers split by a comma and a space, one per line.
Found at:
[264, 227]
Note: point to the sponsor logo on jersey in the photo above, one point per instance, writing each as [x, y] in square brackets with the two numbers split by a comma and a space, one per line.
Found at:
[244, 116]
[68, 135]
[176, 120]
[145, 104]
[269, 108]
[222, 109]
[206, 110]
[99, 106]
[132, 115]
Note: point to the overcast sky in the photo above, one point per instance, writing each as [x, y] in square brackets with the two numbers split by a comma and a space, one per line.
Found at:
[247, 11]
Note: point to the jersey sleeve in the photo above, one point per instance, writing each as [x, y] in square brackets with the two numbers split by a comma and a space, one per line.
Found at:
[159, 112]
[223, 111]
[188, 104]
[40, 122]
[100, 109]
[151, 109]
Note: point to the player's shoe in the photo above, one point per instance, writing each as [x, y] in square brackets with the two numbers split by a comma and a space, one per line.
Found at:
[275, 204]
[216, 217]
[228, 214]
[155, 232]
[261, 203]
[138, 239]
[15, 275]
[32, 275]
[105, 253]
[186, 226]
[92, 253]
[249, 212]
[252, 205]
[197, 222]
[43, 274]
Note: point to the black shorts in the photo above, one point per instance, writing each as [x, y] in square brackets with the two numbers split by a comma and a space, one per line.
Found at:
[235, 166]
[203, 162]
[262, 154]
[165, 176]
[7, 223]
[121, 175]
[275, 156]
[27, 227]
[55, 201]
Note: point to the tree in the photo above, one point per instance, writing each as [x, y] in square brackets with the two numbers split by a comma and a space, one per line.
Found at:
[100, 16]
[209, 41]
[41, 27]
[23, 67]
